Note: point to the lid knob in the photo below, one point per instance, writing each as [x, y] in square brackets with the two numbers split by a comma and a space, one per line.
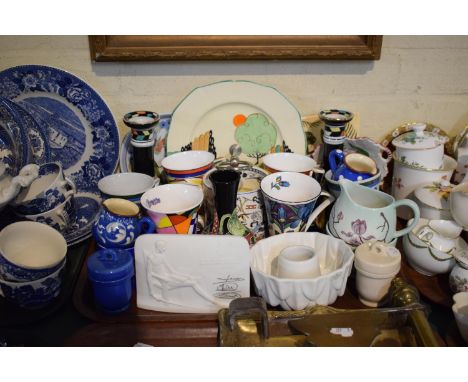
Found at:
[419, 128]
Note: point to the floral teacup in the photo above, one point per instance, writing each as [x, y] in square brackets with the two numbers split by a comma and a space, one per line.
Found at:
[290, 198]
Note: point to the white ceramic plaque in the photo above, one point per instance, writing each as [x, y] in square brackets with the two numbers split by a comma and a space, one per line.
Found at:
[190, 273]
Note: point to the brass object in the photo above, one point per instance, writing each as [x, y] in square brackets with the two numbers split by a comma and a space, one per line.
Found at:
[403, 324]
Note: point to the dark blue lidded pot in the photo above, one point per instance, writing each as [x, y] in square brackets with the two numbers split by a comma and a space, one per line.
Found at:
[110, 272]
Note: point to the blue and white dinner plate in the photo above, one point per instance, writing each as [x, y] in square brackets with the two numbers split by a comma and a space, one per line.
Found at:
[14, 146]
[81, 130]
[37, 135]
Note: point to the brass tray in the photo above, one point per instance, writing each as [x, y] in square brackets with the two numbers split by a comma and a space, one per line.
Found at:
[247, 322]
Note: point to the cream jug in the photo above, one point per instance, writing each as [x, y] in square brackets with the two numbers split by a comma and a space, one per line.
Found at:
[361, 214]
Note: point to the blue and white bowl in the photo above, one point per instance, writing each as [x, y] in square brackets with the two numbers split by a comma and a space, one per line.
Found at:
[30, 251]
[33, 294]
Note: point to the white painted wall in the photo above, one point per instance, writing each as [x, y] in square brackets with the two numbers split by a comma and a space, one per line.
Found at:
[422, 78]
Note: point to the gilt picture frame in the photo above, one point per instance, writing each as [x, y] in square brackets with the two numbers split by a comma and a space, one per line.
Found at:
[234, 47]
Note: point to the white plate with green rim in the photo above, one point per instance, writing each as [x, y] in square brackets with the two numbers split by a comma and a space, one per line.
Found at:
[257, 117]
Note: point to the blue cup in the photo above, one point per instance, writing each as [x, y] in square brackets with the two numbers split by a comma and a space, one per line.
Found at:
[353, 166]
[110, 272]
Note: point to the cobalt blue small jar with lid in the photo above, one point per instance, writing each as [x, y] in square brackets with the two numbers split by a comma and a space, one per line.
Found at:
[110, 272]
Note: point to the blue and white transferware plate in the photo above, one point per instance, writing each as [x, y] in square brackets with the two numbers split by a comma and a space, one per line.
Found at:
[81, 130]
[14, 152]
[160, 134]
[37, 135]
[87, 207]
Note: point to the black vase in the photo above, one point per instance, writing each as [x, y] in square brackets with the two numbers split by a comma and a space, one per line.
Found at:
[225, 185]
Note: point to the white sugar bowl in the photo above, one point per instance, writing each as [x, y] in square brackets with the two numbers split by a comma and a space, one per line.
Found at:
[419, 148]
[376, 264]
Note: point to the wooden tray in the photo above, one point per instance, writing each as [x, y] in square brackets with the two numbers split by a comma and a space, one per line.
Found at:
[83, 300]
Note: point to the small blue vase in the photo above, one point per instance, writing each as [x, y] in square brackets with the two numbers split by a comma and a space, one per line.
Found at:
[119, 224]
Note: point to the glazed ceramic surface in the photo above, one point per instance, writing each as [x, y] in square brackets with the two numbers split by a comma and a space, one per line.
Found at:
[119, 224]
[173, 207]
[376, 265]
[460, 311]
[33, 294]
[14, 143]
[37, 134]
[82, 133]
[60, 217]
[86, 207]
[459, 204]
[259, 118]
[458, 279]
[421, 149]
[335, 260]
[352, 166]
[249, 205]
[160, 134]
[46, 192]
[366, 146]
[30, 251]
[433, 200]
[10, 187]
[187, 166]
[298, 262]
[333, 186]
[424, 259]
[110, 272]
[406, 179]
[361, 214]
[290, 198]
[292, 162]
[191, 273]
[393, 243]
[440, 234]
[462, 165]
[126, 185]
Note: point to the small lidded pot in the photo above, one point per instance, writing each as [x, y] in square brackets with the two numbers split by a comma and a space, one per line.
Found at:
[458, 279]
[110, 272]
[376, 264]
[433, 200]
[421, 149]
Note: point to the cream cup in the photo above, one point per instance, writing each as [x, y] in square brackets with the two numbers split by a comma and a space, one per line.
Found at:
[298, 262]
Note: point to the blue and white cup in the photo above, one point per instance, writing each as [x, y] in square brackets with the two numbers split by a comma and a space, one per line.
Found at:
[290, 199]
[50, 189]
[60, 218]
[30, 251]
[33, 294]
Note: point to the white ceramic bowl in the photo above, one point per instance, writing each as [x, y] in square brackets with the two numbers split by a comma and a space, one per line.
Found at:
[406, 179]
[427, 261]
[334, 187]
[293, 162]
[336, 262]
[126, 185]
